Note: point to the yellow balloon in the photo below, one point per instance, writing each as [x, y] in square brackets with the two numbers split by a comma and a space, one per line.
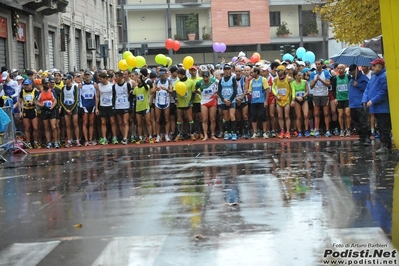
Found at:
[168, 61]
[180, 88]
[122, 64]
[140, 61]
[131, 61]
[188, 62]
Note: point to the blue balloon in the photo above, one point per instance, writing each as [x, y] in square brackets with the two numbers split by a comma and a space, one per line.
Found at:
[309, 56]
[288, 57]
[300, 52]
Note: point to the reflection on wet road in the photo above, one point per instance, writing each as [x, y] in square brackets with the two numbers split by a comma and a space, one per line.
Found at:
[234, 204]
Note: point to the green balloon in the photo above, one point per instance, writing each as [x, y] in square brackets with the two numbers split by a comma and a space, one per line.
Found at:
[160, 59]
[126, 54]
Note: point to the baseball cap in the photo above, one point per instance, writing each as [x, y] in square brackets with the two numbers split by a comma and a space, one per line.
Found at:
[87, 72]
[4, 75]
[378, 61]
[27, 82]
[162, 71]
[306, 69]
[352, 67]
[291, 66]
[29, 72]
[45, 80]
[280, 67]
[266, 67]
[19, 77]
[68, 76]
[203, 68]
[300, 63]
[51, 79]
[14, 70]
[227, 66]
[180, 65]
[205, 74]
[173, 69]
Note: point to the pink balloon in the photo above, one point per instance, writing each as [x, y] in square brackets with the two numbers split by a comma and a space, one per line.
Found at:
[234, 59]
[222, 47]
[216, 46]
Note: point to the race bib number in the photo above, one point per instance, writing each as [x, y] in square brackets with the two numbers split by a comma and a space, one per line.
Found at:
[106, 100]
[226, 92]
[122, 100]
[69, 101]
[28, 98]
[88, 95]
[343, 87]
[255, 94]
[140, 97]
[207, 91]
[300, 94]
[161, 99]
[282, 91]
[47, 103]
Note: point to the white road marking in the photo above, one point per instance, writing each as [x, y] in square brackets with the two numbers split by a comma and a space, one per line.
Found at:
[26, 254]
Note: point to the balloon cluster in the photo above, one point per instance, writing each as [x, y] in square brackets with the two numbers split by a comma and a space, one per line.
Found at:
[219, 47]
[129, 61]
[304, 55]
[172, 44]
[161, 59]
[255, 58]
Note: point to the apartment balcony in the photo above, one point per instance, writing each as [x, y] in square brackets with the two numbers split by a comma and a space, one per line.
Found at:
[46, 7]
[163, 5]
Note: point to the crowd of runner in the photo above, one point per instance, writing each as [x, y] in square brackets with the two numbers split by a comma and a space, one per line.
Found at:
[229, 100]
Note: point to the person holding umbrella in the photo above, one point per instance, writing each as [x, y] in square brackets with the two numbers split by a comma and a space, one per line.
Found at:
[375, 97]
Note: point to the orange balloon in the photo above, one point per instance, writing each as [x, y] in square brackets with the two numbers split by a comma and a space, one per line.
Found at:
[257, 55]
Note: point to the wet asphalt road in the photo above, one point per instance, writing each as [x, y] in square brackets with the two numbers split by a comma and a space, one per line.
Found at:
[222, 204]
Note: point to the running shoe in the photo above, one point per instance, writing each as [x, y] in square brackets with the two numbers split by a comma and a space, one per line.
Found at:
[77, 143]
[316, 134]
[348, 133]
[273, 134]
[336, 132]
[158, 139]
[167, 139]
[226, 135]
[246, 136]
[178, 138]
[49, 146]
[87, 143]
[103, 141]
[300, 135]
[234, 136]
[287, 135]
[28, 146]
[328, 133]
[56, 145]
[36, 145]
[281, 134]
[265, 135]
[254, 136]
[342, 133]
[151, 140]
[295, 134]
[92, 143]
[124, 141]
[193, 138]
[307, 134]
[115, 140]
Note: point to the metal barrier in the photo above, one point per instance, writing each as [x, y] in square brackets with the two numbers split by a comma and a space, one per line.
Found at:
[8, 140]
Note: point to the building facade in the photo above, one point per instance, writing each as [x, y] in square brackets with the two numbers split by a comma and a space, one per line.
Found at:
[248, 27]
[61, 34]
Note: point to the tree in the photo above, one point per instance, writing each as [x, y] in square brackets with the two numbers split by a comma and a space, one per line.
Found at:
[352, 21]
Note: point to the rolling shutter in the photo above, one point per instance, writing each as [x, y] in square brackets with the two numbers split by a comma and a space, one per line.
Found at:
[51, 49]
[21, 55]
[66, 55]
[77, 51]
[3, 57]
